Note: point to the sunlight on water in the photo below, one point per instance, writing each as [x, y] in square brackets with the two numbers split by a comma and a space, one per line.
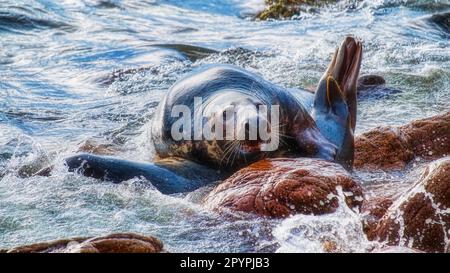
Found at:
[73, 71]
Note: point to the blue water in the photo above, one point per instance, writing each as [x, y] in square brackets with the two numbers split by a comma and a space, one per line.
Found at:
[57, 91]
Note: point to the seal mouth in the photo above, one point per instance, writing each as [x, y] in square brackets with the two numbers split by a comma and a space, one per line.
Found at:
[250, 146]
[345, 66]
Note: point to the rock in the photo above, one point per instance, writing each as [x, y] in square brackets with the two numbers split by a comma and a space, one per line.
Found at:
[372, 211]
[421, 217]
[441, 20]
[281, 9]
[113, 243]
[370, 80]
[382, 148]
[391, 148]
[397, 249]
[94, 147]
[282, 187]
[378, 197]
[373, 86]
[429, 138]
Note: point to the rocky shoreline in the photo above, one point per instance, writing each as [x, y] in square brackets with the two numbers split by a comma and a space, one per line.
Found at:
[418, 219]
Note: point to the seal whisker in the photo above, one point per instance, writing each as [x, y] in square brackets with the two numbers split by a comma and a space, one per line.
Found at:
[236, 152]
[228, 151]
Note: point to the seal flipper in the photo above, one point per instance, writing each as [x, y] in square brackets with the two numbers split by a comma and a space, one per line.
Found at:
[333, 119]
[118, 170]
[190, 170]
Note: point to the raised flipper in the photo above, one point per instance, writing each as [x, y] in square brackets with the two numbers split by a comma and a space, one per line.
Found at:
[335, 104]
[118, 170]
[333, 119]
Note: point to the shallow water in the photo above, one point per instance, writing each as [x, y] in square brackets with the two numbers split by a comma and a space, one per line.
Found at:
[57, 90]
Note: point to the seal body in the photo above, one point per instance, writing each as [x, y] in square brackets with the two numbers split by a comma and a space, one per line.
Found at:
[224, 87]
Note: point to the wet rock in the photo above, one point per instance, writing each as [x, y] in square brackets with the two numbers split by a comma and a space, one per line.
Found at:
[429, 138]
[372, 211]
[113, 243]
[378, 197]
[369, 86]
[421, 217]
[370, 80]
[95, 147]
[373, 86]
[394, 147]
[441, 20]
[282, 187]
[382, 148]
[36, 164]
[397, 249]
[280, 9]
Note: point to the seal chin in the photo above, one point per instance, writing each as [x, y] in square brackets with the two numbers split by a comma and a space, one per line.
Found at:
[250, 147]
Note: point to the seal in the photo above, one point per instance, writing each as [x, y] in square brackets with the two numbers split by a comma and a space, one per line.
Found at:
[300, 124]
[225, 87]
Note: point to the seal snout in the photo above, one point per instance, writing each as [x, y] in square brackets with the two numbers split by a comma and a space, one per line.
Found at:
[250, 133]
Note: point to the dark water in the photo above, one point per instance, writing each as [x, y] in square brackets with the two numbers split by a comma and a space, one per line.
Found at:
[62, 82]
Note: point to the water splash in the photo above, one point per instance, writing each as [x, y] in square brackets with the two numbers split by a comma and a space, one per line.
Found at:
[340, 231]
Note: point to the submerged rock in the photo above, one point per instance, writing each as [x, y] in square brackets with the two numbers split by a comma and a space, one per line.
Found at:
[372, 86]
[421, 217]
[279, 9]
[282, 187]
[392, 147]
[113, 243]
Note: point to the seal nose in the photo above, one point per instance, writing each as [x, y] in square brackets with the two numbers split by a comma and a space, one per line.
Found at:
[248, 127]
[251, 131]
[247, 130]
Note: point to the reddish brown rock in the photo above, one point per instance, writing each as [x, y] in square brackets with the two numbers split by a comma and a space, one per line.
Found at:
[281, 187]
[429, 138]
[113, 243]
[394, 147]
[378, 198]
[421, 217]
[382, 148]
[397, 249]
[372, 211]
